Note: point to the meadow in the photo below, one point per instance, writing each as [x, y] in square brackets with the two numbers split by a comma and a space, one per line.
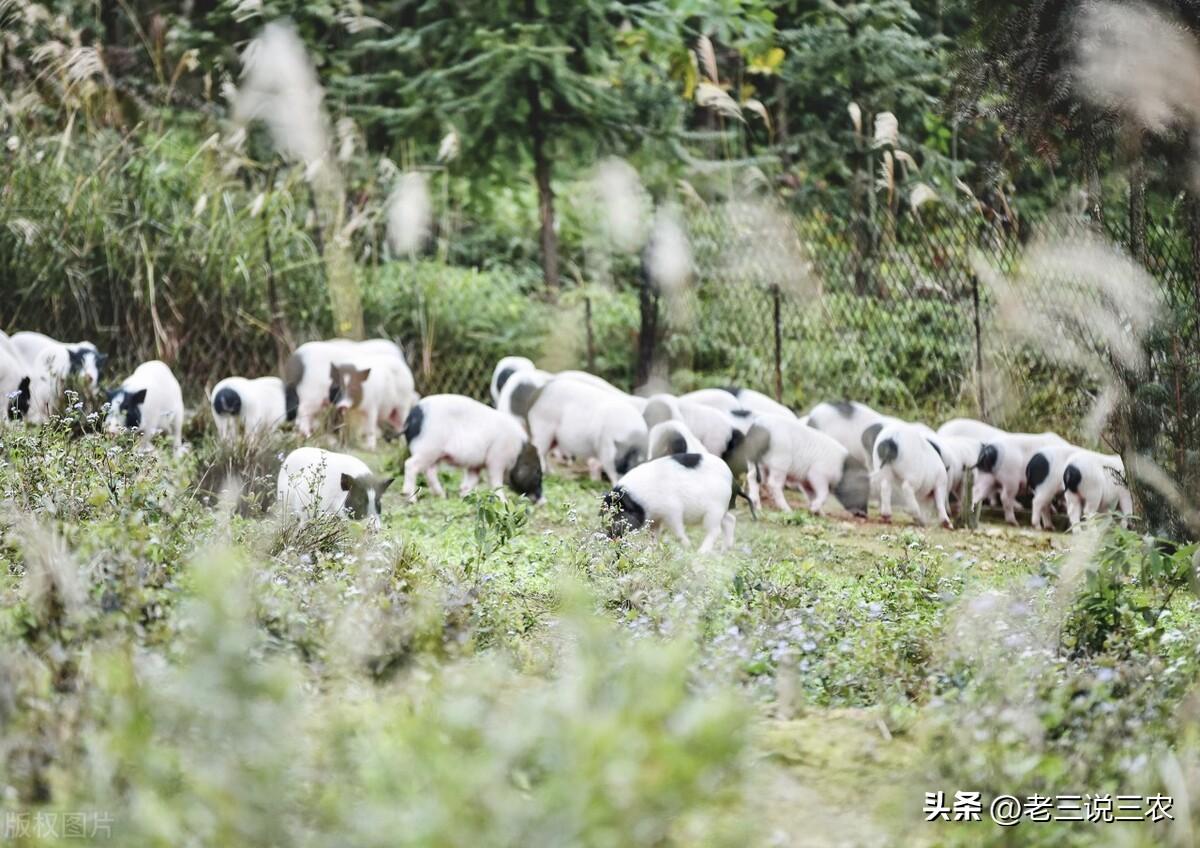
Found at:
[183, 668]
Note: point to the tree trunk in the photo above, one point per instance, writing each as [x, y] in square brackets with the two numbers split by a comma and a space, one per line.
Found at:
[541, 173]
[1091, 176]
[648, 331]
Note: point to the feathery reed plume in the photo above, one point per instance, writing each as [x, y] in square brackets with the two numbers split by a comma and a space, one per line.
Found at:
[624, 203]
[409, 214]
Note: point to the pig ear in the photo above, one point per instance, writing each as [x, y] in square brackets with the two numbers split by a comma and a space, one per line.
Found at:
[333, 371]
[363, 374]
[384, 483]
[101, 358]
[347, 482]
[138, 396]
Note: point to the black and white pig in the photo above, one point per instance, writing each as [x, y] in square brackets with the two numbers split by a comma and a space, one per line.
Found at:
[1001, 466]
[316, 482]
[470, 435]
[506, 368]
[150, 402]
[589, 423]
[718, 431]
[785, 452]
[307, 381]
[906, 457]
[253, 407]
[1044, 479]
[518, 391]
[84, 358]
[734, 399]
[668, 437]
[850, 424]
[1095, 483]
[14, 381]
[371, 390]
[673, 492]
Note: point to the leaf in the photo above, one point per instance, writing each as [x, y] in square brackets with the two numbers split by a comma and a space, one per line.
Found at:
[708, 57]
[756, 106]
[766, 63]
[855, 116]
[710, 96]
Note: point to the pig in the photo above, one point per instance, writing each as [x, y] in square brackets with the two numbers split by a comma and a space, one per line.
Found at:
[506, 368]
[519, 390]
[719, 432]
[313, 482]
[1001, 465]
[601, 383]
[905, 456]
[959, 455]
[673, 492]
[307, 375]
[589, 423]
[846, 422]
[85, 359]
[371, 390]
[734, 399]
[469, 435]
[1095, 483]
[149, 401]
[255, 407]
[786, 452]
[671, 436]
[1044, 479]
[14, 381]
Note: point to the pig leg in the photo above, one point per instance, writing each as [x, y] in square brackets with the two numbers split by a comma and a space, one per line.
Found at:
[941, 499]
[712, 531]
[1074, 508]
[820, 492]
[728, 522]
[469, 481]
[674, 523]
[369, 428]
[885, 497]
[435, 482]
[752, 490]
[912, 504]
[775, 487]
[984, 484]
[1041, 509]
[1125, 504]
[1008, 497]
[414, 466]
[595, 468]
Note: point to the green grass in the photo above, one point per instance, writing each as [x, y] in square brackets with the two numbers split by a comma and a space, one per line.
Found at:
[476, 675]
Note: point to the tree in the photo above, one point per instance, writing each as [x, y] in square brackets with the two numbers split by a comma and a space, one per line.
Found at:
[524, 83]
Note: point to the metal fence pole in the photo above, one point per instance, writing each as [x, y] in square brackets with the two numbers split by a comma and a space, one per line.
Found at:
[776, 299]
[979, 397]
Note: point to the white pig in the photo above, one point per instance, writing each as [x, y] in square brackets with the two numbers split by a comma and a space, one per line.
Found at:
[14, 381]
[1001, 465]
[673, 492]
[588, 423]
[371, 390]
[1044, 479]
[718, 431]
[671, 436]
[469, 435]
[846, 422]
[904, 456]
[149, 401]
[307, 376]
[313, 482]
[254, 407]
[84, 357]
[506, 368]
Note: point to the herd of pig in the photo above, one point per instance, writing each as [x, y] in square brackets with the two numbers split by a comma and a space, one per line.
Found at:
[672, 461]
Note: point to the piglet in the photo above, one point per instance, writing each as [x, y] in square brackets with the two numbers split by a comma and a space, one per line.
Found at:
[253, 406]
[313, 481]
[506, 368]
[673, 492]
[671, 436]
[150, 402]
[371, 390]
[14, 381]
[1044, 479]
[83, 358]
[1095, 483]
[470, 435]
[906, 457]
[590, 423]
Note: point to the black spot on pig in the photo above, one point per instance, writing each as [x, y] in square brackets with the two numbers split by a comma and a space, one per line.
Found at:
[18, 401]
[101, 361]
[1072, 477]
[359, 489]
[413, 424]
[525, 477]
[869, 436]
[733, 390]
[887, 451]
[628, 456]
[687, 460]
[524, 395]
[622, 512]
[988, 457]
[741, 413]
[736, 437]
[677, 443]
[845, 408]
[503, 376]
[227, 402]
[77, 355]
[129, 403]
[1037, 470]
[293, 373]
[853, 490]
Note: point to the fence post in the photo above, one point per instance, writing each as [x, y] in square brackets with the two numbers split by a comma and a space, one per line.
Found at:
[776, 300]
[979, 398]
[648, 307]
[591, 338]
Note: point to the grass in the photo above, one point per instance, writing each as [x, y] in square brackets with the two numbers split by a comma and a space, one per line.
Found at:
[473, 674]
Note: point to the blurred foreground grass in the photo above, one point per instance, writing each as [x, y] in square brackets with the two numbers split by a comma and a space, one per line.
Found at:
[476, 676]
